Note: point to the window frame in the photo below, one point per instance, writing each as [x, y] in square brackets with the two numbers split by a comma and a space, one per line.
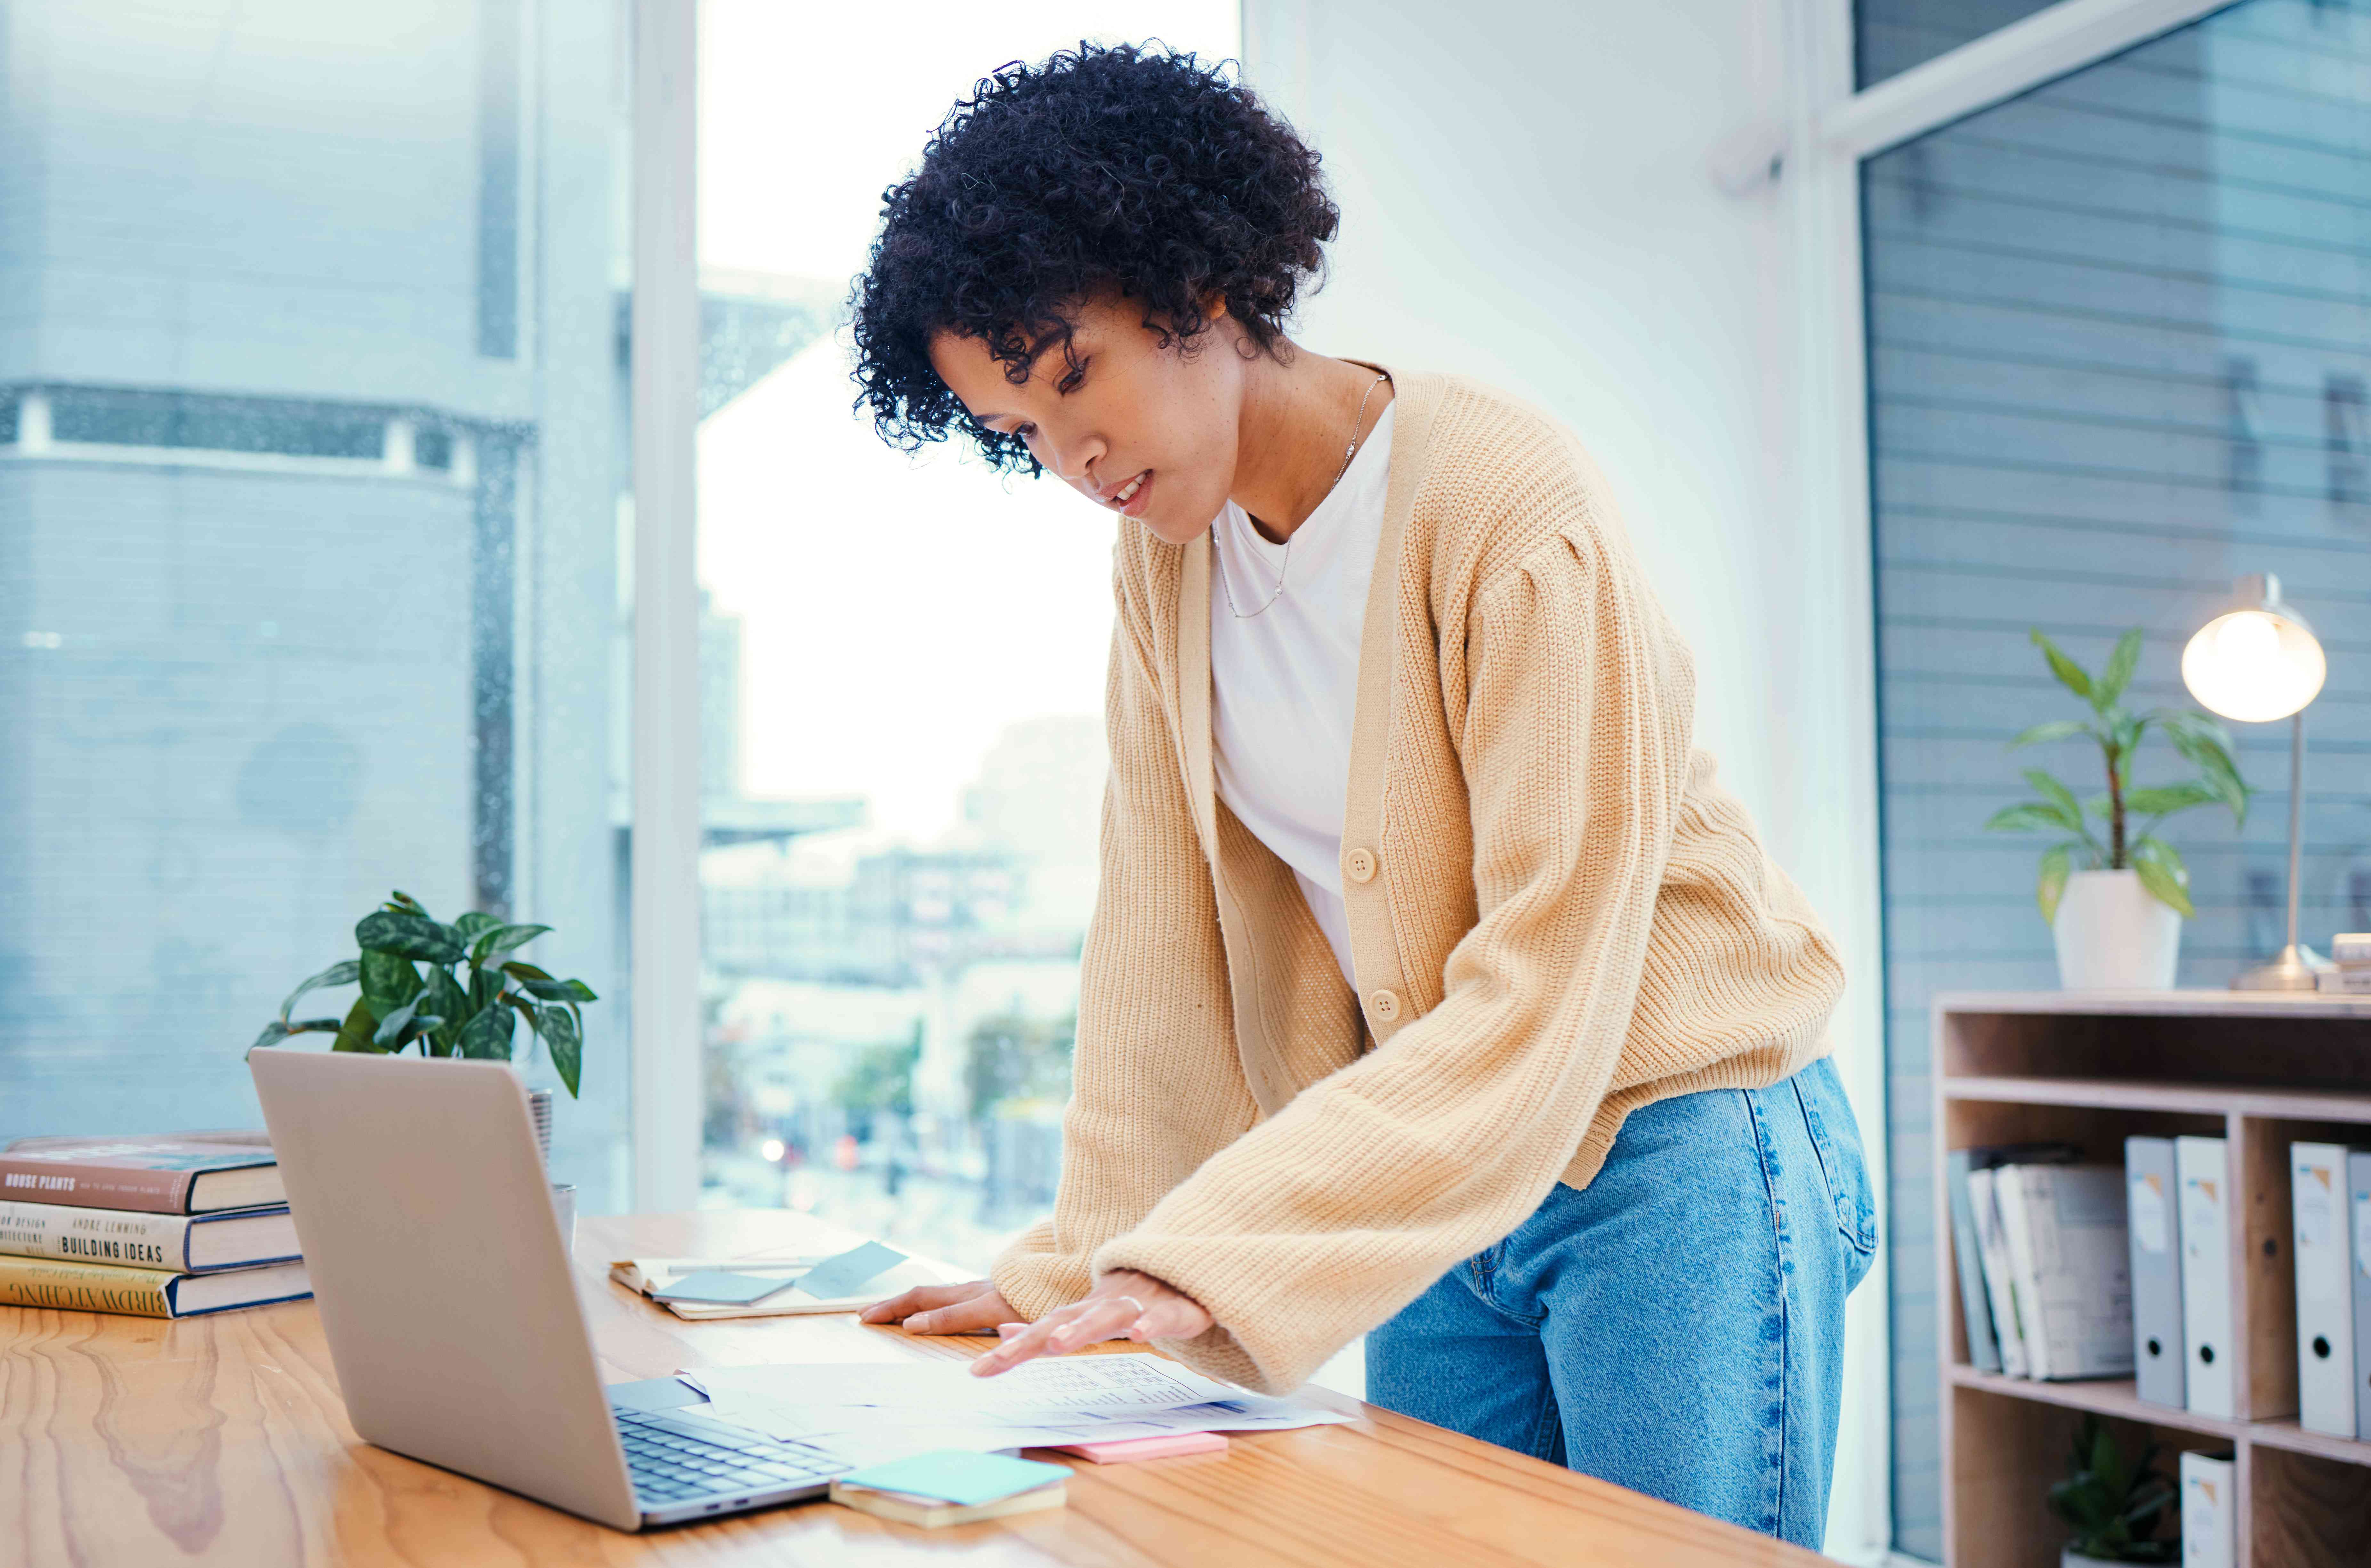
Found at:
[1832, 128]
[664, 810]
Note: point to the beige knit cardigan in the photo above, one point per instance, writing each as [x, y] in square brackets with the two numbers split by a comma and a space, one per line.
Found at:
[1556, 917]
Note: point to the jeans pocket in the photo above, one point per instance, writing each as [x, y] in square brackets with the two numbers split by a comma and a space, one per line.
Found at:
[1503, 1291]
[1835, 1137]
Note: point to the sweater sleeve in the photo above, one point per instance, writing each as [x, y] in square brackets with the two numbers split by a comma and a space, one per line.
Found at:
[1156, 1083]
[1325, 1220]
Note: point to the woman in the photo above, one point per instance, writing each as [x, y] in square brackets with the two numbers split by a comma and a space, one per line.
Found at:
[1434, 991]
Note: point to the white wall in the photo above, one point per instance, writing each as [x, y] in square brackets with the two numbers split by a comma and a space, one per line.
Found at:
[1524, 199]
[1527, 196]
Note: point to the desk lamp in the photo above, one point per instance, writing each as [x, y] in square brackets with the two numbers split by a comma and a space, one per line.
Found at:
[2258, 662]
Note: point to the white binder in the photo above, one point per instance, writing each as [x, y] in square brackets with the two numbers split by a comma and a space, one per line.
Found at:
[2325, 1294]
[2209, 1507]
[2358, 1182]
[2153, 1203]
[2202, 1165]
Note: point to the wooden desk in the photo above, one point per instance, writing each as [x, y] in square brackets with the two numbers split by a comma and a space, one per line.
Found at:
[222, 1440]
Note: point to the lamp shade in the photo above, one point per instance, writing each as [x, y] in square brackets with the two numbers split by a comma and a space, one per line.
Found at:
[2257, 661]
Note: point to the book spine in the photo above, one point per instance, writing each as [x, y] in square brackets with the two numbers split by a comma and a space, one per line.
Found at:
[1992, 1250]
[86, 1287]
[95, 1186]
[2037, 1209]
[1975, 1311]
[95, 1236]
[2008, 1191]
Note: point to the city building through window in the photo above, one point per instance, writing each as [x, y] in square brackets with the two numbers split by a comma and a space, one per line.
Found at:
[902, 667]
[312, 446]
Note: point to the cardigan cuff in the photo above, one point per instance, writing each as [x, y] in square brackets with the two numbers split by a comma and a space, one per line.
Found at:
[1276, 1361]
[1033, 1278]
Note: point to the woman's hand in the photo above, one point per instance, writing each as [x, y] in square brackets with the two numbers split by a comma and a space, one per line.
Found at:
[1124, 1303]
[974, 1308]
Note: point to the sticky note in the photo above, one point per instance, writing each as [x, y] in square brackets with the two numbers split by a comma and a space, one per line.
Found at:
[848, 1272]
[1128, 1450]
[721, 1286]
[954, 1475]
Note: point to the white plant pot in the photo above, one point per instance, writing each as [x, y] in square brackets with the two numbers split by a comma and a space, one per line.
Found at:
[2068, 1557]
[2112, 935]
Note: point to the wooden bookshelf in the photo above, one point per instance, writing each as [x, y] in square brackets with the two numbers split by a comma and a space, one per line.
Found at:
[2091, 1069]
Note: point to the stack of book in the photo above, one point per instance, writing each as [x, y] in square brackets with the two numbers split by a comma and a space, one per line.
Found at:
[2045, 1287]
[170, 1226]
[2350, 956]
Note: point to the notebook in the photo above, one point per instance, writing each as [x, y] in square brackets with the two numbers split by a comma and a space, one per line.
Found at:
[650, 1275]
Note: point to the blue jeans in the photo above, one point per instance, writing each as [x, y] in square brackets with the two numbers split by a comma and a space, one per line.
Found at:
[1677, 1327]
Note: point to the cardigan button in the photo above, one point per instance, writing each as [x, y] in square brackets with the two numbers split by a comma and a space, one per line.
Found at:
[1360, 864]
[1386, 1003]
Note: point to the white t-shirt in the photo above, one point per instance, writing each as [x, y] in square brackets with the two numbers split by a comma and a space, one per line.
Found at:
[1285, 681]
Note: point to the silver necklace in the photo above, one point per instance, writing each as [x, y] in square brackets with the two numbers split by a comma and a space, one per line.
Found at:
[1285, 564]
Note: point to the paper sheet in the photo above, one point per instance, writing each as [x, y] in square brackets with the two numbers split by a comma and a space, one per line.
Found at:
[872, 1448]
[864, 1414]
[1059, 1385]
[879, 1430]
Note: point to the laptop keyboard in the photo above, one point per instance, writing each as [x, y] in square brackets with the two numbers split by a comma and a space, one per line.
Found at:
[672, 1460]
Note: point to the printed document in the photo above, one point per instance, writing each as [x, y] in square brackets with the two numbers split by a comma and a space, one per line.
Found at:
[865, 1413]
[1066, 1384]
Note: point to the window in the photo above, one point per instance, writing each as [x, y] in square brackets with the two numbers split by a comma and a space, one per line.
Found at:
[310, 465]
[1890, 36]
[902, 676]
[2117, 342]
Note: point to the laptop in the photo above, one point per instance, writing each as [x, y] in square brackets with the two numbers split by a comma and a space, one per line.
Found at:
[444, 1288]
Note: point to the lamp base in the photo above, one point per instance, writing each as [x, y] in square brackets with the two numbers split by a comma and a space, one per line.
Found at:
[2295, 968]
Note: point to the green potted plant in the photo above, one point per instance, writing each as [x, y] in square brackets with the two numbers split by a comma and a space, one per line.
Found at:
[2115, 898]
[2113, 1507]
[452, 989]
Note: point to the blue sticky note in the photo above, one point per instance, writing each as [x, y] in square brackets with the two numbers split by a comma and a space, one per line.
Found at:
[953, 1475]
[722, 1287]
[847, 1273]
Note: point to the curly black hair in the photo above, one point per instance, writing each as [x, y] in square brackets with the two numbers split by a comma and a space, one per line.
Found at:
[1132, 168]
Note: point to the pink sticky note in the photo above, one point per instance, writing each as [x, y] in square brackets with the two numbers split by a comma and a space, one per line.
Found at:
[1136, 1449]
